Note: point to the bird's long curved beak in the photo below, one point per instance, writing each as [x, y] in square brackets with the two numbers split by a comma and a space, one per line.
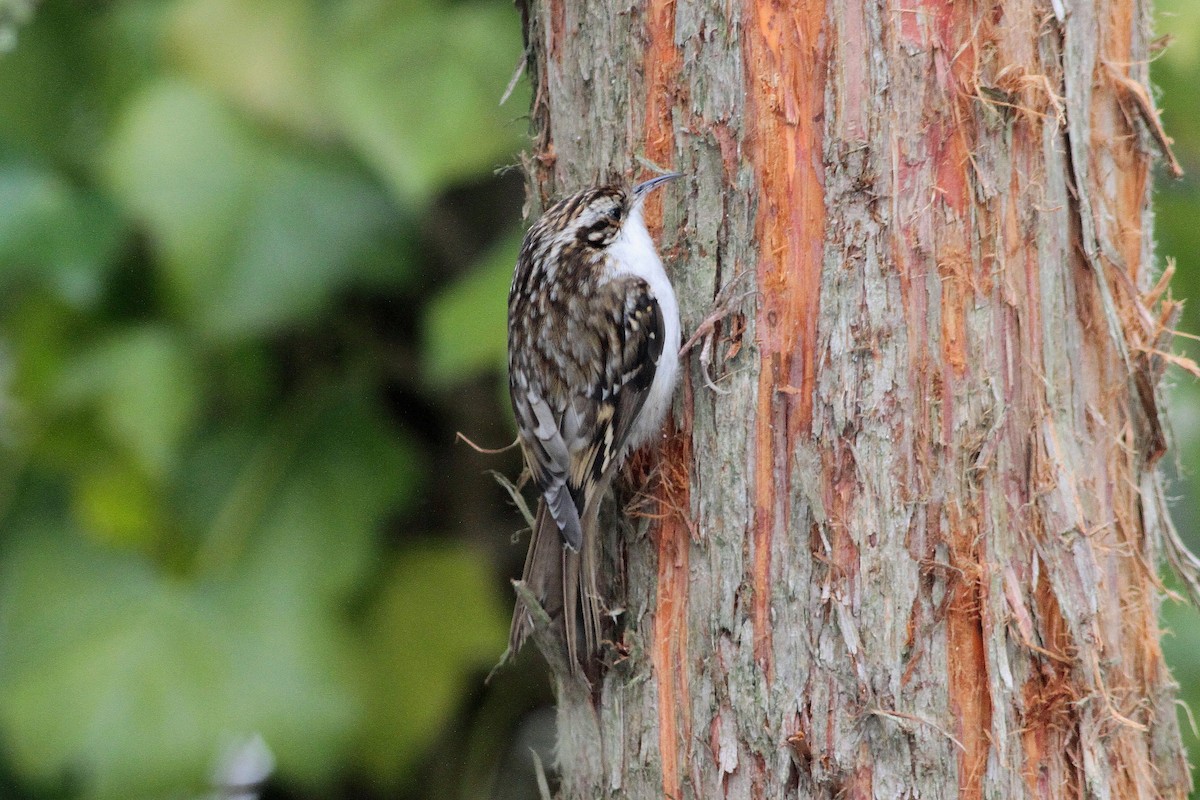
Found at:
[642, 189]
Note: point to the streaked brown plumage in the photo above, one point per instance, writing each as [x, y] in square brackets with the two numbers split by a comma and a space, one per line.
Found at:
[593, 354]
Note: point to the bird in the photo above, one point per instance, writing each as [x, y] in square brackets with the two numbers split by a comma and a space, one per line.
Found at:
[593, 357]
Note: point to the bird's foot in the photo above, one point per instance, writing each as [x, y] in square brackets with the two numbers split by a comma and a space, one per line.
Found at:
[706, 332]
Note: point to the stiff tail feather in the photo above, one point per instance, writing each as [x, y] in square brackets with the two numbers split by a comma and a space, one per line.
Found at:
[564, 582]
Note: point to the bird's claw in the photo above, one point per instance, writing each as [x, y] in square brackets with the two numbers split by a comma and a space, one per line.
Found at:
[724, 305]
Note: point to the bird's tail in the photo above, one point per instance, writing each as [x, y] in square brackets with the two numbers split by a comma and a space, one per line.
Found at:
[565, 583]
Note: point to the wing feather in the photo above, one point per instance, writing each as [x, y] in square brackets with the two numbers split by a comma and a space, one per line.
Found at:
[578, 396]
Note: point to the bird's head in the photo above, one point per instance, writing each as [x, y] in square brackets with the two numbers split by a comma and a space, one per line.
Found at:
[594, 217]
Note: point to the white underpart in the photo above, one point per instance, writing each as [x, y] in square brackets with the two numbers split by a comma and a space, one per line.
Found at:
[633, 253]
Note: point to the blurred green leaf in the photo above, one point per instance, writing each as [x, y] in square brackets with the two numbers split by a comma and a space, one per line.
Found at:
[49, 107]
[144, 384]
[182, 163]
[13, 14]
[107, 671]
[132, 680]
[1181, 18]
[265, 55]
[50, 230]
[116, 504]
[347, 469]
[465, 327]
[1181, 647]
[421, 648]
[40, 330]
[417, 88]
[254, 235]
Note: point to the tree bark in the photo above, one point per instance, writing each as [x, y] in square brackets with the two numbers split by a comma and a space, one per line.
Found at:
[911, 552]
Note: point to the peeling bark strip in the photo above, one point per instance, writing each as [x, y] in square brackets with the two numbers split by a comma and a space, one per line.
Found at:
[912, 551]
[785, 103]
[670, 636]
[662, 86]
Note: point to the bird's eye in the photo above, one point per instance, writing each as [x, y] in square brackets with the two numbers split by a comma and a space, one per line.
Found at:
[615, 214]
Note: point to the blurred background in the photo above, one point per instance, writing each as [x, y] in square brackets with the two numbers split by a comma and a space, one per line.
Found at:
[1175, 73]
[254, 256]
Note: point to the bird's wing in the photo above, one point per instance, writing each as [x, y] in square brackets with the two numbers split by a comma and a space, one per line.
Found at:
[581, 391]
[635, 343]
[549, 461]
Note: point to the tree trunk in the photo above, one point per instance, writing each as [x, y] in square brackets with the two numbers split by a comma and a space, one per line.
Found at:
[909, 549]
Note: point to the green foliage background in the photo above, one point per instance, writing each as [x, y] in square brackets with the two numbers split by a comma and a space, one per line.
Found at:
[251, 254]
[253, 262]
[1177, 208]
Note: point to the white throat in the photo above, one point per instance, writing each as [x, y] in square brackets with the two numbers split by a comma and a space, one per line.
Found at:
[633, 253]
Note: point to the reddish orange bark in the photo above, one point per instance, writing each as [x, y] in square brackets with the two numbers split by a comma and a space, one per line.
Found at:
[785, 68]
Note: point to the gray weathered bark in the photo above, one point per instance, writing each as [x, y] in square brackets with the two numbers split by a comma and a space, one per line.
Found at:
[911, 552]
